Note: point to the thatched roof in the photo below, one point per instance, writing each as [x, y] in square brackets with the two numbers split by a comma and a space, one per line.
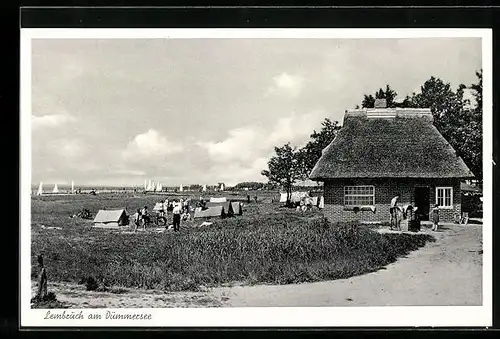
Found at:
[398, 143]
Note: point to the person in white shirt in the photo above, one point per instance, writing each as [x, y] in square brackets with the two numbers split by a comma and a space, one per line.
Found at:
[392, 209]
[177, 216]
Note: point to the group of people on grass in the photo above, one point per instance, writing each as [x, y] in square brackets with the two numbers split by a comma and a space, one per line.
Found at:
[179, 209]
[434, 214]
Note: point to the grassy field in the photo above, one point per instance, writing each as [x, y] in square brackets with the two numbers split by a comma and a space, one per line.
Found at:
[268, 244]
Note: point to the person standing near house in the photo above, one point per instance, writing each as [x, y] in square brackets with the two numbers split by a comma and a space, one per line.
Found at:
[392, 209]
[435, 217]
[177, 216]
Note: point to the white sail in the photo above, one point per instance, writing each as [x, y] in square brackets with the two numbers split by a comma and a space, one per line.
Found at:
[222, 187]
[55, 190]
[181, 189]
[72, 186]
[159, 187]
[40, 189]
[145, 184]
[204, 188]
[150, 186]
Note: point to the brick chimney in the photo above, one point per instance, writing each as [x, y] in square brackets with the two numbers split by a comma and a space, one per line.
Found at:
[380, 103]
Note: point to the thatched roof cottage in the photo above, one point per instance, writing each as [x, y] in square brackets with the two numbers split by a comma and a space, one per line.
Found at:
[381, 152]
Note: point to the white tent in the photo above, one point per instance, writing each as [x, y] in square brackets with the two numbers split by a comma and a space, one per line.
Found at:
[111, 218]
[181, 189]
[55, 190]
[204, 188]
[295, 197]
[223, 199]
[40, 189]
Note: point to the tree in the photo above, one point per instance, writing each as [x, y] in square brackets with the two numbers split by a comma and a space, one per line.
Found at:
[252, 185]
[473, 146]
[312, 151]
[285, 168]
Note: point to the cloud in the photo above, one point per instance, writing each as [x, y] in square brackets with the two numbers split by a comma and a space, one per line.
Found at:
[150, 144]
[66, 147]
[245, 152]
[238, 146]
[286, 84]
[295, 128]
[51, 120]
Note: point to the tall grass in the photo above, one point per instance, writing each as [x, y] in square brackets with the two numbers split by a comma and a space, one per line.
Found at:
[275, 246]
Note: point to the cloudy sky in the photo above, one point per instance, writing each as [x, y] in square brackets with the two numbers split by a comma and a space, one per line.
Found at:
[114, 112]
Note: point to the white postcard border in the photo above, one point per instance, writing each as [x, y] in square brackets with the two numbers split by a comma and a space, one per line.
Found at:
[270, 316]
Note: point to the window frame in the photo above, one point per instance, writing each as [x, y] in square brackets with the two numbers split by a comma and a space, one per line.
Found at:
[444, 188]
[359, 195]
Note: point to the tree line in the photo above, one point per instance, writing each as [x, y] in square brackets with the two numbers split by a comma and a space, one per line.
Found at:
[455, 117]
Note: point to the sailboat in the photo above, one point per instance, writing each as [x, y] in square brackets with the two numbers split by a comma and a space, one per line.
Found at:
[145, 184]
[55, 190]
[40, 189]
[159, 187]
[150, 186]
[72, 187]
[181, 189]
[204, 188]
[222, 187]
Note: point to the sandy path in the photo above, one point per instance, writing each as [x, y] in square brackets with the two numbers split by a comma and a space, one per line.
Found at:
[446, 272]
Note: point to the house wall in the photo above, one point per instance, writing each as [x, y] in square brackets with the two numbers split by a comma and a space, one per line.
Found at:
[385, 190]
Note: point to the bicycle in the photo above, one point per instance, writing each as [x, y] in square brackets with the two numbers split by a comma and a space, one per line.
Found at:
[154, 220]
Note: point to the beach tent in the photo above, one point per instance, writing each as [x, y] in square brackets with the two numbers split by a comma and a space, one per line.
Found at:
[55, 190]
[158, 206]
[295, 197]
[236, 207]
[228, 209]
[40, 189]
[111, 218]
[210, 212]
[222, 199]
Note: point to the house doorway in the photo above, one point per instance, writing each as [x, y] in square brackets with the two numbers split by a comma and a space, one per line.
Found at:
[422, 201]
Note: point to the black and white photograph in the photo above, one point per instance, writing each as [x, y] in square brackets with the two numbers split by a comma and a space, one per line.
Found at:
[236, 173]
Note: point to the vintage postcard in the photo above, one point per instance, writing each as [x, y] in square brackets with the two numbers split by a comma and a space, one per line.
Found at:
[256, 177]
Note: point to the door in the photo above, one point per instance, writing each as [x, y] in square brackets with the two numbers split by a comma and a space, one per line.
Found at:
[422, 202]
